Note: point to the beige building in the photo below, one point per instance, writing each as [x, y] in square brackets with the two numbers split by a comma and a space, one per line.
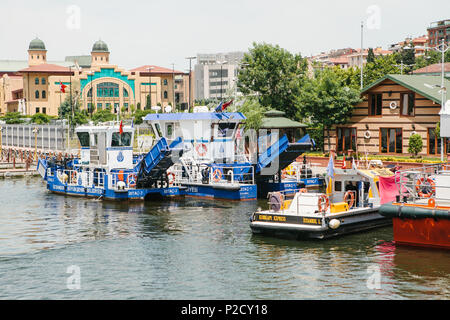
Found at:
[98, 84]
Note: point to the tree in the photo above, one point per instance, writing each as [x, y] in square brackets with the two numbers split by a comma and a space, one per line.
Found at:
[415, 144]
[381, 66]
[253, 112]
[370, 56]
[327, 100]
[103, 116]
[274, 75]
[408, 57]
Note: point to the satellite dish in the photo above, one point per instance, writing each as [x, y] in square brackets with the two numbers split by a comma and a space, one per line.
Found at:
[168, 109]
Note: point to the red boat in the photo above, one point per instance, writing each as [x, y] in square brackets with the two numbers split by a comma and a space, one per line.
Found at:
[421, 211]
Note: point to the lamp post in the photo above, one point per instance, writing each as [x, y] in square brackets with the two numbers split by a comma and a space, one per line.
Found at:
[150, 86]
[361, 55]
[442, 48]
[90, 73]
[221, 77]
[189, 93]
[173, 86]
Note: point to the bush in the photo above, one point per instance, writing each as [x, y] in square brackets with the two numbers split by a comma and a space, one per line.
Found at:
[141, 113]
[13, 118]
[415, 144]
[40, 118]
[103, 116]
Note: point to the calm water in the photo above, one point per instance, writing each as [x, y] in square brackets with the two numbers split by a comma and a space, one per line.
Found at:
[191, 249]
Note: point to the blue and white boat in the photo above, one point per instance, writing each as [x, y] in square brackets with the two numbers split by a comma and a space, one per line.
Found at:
[201, 154]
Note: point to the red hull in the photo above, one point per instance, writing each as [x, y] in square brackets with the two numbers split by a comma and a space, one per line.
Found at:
[427, 232]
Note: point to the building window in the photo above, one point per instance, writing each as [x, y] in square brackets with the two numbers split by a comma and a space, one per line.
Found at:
[165, 82]
[434, 143]
[37, 110]
[375, 104]
[391, 140]
[43, 81]
[44, 110]
[125, 92]
[346, 139]
[89, 93]
[165, 94]
[36, 94]
[44, 94]
[36, 80]
[107, 90]
[125, 106]
[99, 106]
[407, 102]
[116, 107]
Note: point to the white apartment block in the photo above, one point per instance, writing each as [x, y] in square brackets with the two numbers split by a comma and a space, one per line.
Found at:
[215, 74]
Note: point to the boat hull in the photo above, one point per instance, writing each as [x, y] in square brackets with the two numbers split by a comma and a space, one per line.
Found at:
[302, 228]
[418, 225]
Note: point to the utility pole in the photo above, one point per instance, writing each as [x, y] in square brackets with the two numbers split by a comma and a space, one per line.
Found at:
[173, 88]
[189, 93]
[362, 55]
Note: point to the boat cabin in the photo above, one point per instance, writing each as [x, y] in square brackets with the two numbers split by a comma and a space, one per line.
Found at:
[208, 136]
[105, 146]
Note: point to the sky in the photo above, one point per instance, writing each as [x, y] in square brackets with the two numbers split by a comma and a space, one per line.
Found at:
[165, 32]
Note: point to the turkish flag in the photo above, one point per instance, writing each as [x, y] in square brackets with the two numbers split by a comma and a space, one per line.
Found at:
[120, 127]
[62, 87]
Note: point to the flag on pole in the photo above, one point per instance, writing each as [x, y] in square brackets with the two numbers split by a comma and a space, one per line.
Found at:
[120, 127]
[330, 173]
[226, 104]
[62, 87]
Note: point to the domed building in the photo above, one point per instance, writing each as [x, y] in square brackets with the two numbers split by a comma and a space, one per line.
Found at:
[94, 82]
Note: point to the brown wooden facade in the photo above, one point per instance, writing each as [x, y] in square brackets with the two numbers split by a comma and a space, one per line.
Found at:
[386, 129]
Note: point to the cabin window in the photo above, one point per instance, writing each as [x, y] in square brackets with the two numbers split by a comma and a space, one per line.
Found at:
[83, 137]
[158, 129]
[375, 104]
[225, 130]
[407, 103]
[169, 130]
[391, 140]
[346, 139]
[338, 186]
[121, 140]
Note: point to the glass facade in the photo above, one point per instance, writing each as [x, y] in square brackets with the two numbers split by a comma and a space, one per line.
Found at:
[107, 90]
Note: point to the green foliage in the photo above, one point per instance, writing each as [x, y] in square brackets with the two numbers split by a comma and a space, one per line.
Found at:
[381, 66]
[316, 133]
[103, 116]
[326, 99]
[40, 118]
[415, 144]
[274, 75]
[254, 113]
[437, 131]
[13, 118]
[139, 114]
[81, 117]
[407, 56]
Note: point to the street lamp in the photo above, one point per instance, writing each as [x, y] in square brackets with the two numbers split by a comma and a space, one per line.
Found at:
[189, 93]
[221, 76]
[149, 86]
[91, 73]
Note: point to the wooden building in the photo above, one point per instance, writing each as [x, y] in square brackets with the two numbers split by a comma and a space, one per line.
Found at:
[392, 109]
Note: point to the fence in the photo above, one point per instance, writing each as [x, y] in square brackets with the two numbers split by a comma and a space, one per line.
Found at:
[44, 137]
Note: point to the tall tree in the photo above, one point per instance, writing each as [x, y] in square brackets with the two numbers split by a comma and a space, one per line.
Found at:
[370, 56]
[327, 100]
[274, 75]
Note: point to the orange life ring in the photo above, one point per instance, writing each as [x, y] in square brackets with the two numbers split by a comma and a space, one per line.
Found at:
[303, 190]
[203, 150]
[323, 203]
[131, 180]
[171, 181]
[74, 175]
[217, 175]
[352, 198]
[419, 187]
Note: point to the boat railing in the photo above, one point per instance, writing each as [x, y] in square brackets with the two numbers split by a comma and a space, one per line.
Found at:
[280, 201]
[128, 178]
[421, 184]
[206, 174]
[231, 175]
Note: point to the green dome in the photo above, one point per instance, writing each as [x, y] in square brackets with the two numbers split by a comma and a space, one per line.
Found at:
[100, 46]
[36, 44]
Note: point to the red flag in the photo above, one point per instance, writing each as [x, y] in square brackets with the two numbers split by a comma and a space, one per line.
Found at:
[120, 127]
[62, 87]
[226, 104]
